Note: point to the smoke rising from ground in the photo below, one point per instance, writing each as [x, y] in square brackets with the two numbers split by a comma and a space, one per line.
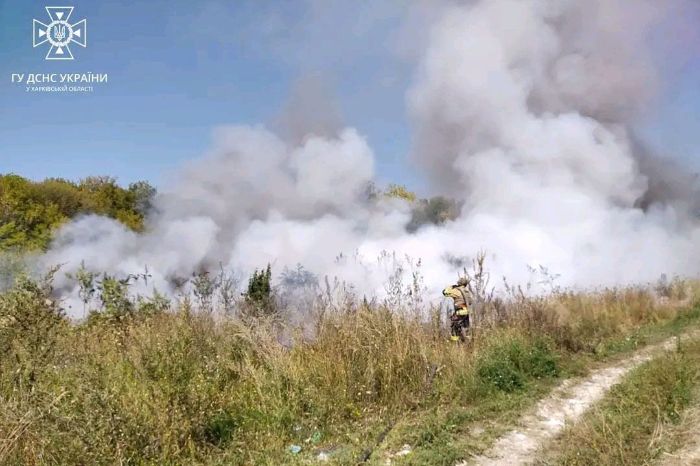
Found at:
[522, 112]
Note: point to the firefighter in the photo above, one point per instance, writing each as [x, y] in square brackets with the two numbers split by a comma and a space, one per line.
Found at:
[462, 302]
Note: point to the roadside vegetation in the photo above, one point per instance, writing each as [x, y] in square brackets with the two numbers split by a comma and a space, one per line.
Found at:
[639, 419]
[182, 381]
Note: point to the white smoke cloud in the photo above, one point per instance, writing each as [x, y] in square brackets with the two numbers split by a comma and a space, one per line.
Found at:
[525, 108]
[522, 110]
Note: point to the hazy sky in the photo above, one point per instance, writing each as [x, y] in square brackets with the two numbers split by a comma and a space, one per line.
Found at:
[178, 69]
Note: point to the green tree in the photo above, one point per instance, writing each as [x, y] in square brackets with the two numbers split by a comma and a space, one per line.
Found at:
[26, 220]
[62, 193]
[31, 211]
[143, 194]
[259, 293]
[106, 197]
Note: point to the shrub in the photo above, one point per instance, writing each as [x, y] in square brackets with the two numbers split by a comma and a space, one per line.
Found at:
[258, 296]
[30, 323]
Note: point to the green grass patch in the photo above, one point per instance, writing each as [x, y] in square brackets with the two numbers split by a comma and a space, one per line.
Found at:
[507, 365]
[632, 424]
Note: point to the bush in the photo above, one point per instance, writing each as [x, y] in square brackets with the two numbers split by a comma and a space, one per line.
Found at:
[258, 296]
[30, 324]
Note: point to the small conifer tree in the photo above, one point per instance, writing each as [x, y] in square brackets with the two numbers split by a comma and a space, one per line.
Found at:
[259, 293]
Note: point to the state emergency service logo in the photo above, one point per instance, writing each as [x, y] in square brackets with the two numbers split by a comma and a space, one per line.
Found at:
[59, 33]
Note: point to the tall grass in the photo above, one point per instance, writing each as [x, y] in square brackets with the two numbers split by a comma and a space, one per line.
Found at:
[174, 386]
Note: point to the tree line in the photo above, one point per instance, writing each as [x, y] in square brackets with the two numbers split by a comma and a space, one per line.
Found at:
[31, 210]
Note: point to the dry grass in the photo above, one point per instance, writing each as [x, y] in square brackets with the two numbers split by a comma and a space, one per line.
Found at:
[181, 387]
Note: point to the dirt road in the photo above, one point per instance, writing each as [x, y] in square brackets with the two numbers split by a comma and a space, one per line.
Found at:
[564, 405]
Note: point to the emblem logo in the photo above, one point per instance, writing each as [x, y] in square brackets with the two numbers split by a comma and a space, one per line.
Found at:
[59, 33]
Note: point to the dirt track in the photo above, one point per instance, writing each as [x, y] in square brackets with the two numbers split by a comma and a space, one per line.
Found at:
[564, 405]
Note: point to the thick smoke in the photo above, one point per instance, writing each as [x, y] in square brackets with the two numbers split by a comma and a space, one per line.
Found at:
[524, 108]
[522, 112]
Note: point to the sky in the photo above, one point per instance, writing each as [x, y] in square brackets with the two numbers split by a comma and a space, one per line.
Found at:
[179, 69]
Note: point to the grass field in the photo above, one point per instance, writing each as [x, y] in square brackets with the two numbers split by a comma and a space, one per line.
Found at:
[177, 386]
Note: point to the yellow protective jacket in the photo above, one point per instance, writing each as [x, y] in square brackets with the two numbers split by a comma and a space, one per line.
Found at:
[460, 295]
